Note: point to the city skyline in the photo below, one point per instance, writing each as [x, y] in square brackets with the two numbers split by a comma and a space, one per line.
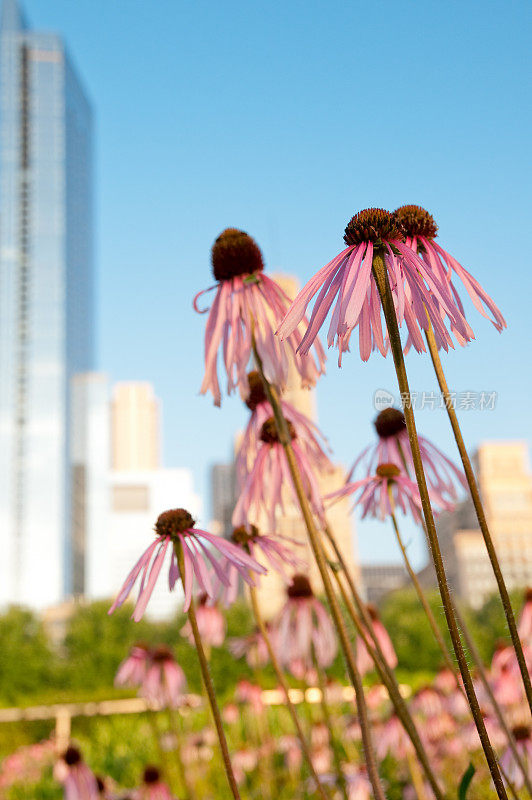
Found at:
[299, 159]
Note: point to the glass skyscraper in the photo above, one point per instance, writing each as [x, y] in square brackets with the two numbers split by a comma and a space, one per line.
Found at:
[46, 303]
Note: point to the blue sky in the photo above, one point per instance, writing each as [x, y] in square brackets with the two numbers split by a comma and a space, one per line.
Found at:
[284, 119]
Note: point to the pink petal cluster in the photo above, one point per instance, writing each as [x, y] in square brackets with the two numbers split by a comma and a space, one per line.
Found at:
[211, 622]
[78, 780]
[364, 660]
[132, 670]
[253, 647]
[419, 296]
[309, 436]
[304, 630]
[372, 494]
[393, 447]
[250, 305]
[420, 232]
[201, 550]
[164, 682]
[267, 485]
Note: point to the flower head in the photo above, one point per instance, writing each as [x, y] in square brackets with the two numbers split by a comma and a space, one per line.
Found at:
[175, 530]
[249, 304]
[132, 670]
[211, 622]
[269, 484]
[304, 629]
[253, 647]
[164, 682]
[372, 494]
[309, 436]
[153, 787]
[364, 659]
[78, 780]
[523, 742]
[420, 230]
[418, 295]
[393, 446]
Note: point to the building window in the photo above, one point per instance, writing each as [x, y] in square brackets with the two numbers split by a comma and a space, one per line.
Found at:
[131, 498]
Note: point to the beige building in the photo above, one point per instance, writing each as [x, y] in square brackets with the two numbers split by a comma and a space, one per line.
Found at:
[135, 427]
[505, 483]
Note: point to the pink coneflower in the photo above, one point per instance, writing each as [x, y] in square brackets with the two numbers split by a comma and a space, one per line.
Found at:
[364, 660]
[269, 481]
[304, 629]
[417, 293]
[523, 741]
[428, 701]
[78, 781]
[246, 692]
[525, 622]
[358, 784]
[392, 739]
[253, 647]
[132, 670]
[211, 623]
[420, 230]
[153, 787]
[310, 438]
[247, 303]
[173, 529]
[393, 447]
[372, 493]
[164, 682]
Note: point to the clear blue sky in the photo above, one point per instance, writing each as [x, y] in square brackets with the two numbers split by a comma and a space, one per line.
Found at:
[284, 119]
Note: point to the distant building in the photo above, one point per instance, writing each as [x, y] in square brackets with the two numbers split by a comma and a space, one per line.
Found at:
[223, 497]
[381, 579]
[46, 303]
[135, 427]
[505, 484]
[137, 490]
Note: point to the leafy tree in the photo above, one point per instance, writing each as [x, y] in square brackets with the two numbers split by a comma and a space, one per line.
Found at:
[26, 659]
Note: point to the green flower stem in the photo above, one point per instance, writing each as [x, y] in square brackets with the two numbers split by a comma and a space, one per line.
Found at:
[421, 594]
[385, 292]
[204, 666]
[481, 516]
[389, 680]
[286, 691]
[477, 660]
[317, 549]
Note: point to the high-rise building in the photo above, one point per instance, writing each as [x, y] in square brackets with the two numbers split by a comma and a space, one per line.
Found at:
[135, 414]
[46, 302]
[505, 483]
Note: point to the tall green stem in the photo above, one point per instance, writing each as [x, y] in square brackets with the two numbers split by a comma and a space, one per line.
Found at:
[481, 516]
[389, 680]
[315, 543]
[421, 594]
[477, 660]
[286, 690]
[385, 292]
[207, 680]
